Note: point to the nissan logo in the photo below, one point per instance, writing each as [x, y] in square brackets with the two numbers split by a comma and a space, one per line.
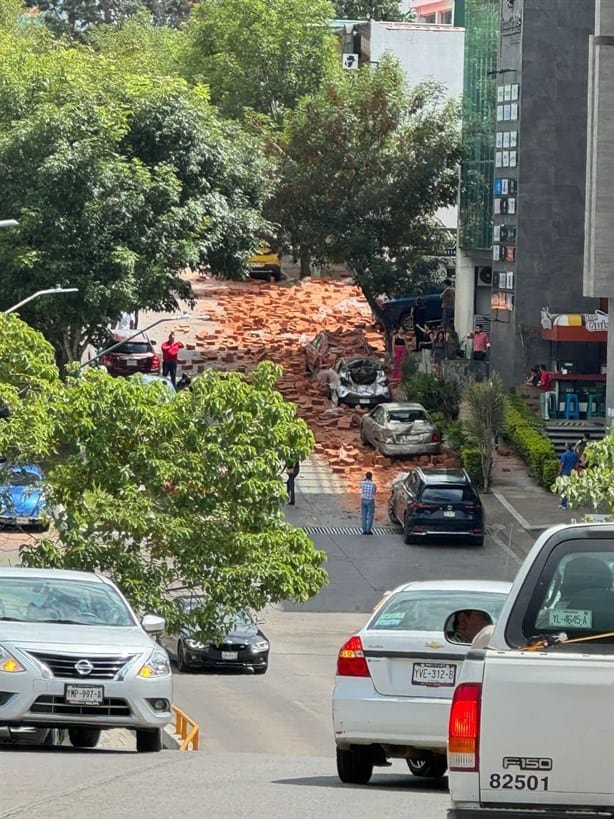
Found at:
[84, 667]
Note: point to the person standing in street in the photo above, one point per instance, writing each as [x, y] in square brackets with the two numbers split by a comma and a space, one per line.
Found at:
[399, 354]
[170, 351]
[292, 471]
[545, 386]
[569, 462]
[426, 349]
[368, 490]
[448, 299]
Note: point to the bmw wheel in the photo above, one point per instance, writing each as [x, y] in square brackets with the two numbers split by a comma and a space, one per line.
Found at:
[354, 767]
[182, 665]
[84, 737]
[433, 766]
[148, 740]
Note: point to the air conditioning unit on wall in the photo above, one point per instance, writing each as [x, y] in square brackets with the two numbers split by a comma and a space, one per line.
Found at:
[483, 276]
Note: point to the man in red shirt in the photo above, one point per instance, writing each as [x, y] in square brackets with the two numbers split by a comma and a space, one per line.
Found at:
[545, 386]
[170, 351]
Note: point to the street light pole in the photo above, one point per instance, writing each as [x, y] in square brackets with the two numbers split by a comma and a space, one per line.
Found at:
[181, 317]
[38, 293]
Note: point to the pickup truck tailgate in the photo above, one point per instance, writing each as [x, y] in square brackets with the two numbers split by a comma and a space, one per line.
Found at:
[540, 704]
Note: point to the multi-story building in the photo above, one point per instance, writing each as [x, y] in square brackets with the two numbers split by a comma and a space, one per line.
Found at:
[539, 183]
[440, 12]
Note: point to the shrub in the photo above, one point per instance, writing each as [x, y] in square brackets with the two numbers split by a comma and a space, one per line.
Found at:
[528, 440]
[453, 434]
[435, 394]
[550, 472]
[472, 461]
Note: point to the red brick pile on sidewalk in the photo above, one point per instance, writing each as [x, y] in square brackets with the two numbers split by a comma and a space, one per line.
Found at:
[254, 321]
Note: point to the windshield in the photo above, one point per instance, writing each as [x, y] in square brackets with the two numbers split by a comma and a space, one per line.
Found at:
[428, 610]
[30, 600]
[19, 477]
[133, 348]
[407, 416]
[448, 494]
[575, 595]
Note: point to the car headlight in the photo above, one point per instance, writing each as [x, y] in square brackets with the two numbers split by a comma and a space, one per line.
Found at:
[261, 645]
[194, 643]
[157, 665]
[9, 663]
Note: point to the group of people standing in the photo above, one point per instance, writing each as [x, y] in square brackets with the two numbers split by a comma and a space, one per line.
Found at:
[438, 343]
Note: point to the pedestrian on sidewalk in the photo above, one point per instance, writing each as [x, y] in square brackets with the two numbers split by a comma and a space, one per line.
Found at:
[569, 461]
[418, 318]
[170, 351]
[426, 349]
[439, 351]
[545, 386]
[368, 490]
[481, 343]
[579, 449]
[448, 298]
[292, 470]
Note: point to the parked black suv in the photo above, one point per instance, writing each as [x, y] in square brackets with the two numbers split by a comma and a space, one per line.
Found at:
[437, 504]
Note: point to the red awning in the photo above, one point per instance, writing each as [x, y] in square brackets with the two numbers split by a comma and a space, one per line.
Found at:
[587, 327]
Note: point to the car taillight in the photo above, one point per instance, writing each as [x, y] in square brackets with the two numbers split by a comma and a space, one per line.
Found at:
[155, 364]
[106, 359]
[419, 507]
[351, 660]
[435, 438]
[464, 728]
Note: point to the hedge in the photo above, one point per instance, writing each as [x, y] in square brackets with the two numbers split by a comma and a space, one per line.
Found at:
[525, 432]
[472, 461]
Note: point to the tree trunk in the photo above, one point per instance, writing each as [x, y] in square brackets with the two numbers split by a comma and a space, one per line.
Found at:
[305, 262]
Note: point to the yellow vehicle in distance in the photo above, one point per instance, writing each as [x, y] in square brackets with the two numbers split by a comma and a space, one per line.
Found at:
[265, 264]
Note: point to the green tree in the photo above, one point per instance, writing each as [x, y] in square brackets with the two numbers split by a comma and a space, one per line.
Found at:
[262, 55]
[365, 164]
[120, 181]
[485, 403]
[188, 493]
[593, 486]
[29, 385]
[371, 10]
[76, 18]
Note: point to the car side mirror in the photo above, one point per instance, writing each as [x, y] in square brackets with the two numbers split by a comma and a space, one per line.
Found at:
[153, 624]
[152, 342]
[461, 626]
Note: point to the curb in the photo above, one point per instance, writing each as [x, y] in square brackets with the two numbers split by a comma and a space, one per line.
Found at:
[170, 740]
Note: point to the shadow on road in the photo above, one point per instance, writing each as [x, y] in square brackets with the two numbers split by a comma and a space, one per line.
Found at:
[387, 782]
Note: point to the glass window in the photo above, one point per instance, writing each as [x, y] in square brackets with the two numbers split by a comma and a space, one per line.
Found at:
[448, 494]
[429, 18]
[574, 594]
[133, 348]
[445, 17]
[31, 599]
[405, 416]
[428, 610]
[19, 477]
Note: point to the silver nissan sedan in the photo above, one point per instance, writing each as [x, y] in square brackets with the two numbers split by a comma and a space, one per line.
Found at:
[73, 655]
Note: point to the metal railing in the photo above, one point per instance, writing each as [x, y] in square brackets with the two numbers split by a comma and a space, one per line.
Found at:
[187, 729]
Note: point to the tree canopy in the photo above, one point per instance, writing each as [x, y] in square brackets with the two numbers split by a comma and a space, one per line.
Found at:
[162, 494]
[76, 18]
[371, 10]
[260, 56]
[365, 165]
[120, 180]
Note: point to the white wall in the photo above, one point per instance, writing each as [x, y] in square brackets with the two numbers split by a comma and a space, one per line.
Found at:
[425, 53]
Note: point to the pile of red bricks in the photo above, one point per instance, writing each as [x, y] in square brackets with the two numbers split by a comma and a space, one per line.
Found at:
[252, 321]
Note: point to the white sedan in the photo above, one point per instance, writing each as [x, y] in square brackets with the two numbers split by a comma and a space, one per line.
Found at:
[395, 677]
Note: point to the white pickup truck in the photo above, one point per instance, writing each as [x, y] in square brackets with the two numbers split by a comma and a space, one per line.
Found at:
[531, 732]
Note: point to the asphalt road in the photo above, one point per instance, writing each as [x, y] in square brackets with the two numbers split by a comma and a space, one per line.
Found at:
[266, 741]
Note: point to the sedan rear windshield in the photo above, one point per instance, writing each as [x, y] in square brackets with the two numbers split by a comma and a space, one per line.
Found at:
[429, 610]
[133, 348]
[448, 494]
[407, 416]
